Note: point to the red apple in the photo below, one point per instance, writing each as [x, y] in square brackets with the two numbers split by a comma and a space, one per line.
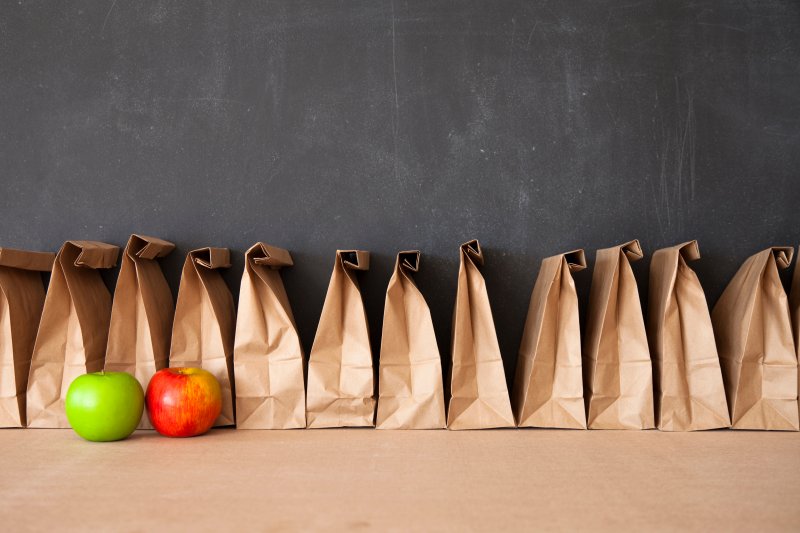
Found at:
[183, 402]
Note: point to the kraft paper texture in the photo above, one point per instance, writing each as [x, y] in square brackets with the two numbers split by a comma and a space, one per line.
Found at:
[753, 329]
[141, 314]
[205, 322]
[21, 300]
[618, 372]
[548, 386]
[73, 332]
[341, 381]
[690, 394]
[478, 390]
[267, 355]
[411, 392]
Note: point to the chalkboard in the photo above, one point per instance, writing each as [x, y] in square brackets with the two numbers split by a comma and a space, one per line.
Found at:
[535, 127]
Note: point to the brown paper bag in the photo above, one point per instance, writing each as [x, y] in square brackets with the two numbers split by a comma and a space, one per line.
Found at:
[794, 304]
[267, 355]
[754, 338]
[478, 390]
[341, 389]
[141, 314]
[72, 335]
[21, 301]
[205, 318]
[410, 385]
[548, 386]
[690, 395]
[618, 371]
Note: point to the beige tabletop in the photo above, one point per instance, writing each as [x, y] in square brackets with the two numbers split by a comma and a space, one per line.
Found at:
[402, 480]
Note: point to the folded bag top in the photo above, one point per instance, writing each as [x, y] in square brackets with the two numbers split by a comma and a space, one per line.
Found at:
[341, 385]
[73, 331]
[267, 355]
[690, 394]
[22, 296]
[410, 384]
[205, 321]
[753, 330]
[478, 390]
[618, 372]
[548, 384]
[141, 313]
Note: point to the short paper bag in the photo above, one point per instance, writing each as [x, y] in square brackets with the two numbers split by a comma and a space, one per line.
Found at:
[205, 318]
[548, 386]
[267, 355]
[478, 390]
[618, 372]
[341, 390]
[754, 338]
[690, 395]
[21, 300]
[73, 331]
[142, 312]
[410, 376]
[794, 304]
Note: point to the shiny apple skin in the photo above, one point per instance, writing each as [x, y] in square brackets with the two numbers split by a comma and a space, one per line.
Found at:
[183, 402]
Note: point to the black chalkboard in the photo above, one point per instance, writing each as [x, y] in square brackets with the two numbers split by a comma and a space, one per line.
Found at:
[536, 127]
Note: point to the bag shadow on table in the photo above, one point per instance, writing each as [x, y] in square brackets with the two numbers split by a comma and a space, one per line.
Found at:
[753, 329]
[618, 374]
[141, 313]
[205, 322]
[22, 294]
[341, 390]
[267, 354]
[690, 394]
[410, 383]
[478, 391]
[548, 385]
[73, 331]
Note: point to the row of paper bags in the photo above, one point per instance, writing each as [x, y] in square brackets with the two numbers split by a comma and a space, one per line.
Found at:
[743, 372]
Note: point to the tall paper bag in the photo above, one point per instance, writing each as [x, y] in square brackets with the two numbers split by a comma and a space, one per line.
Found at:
[478, 390]
[341, 390]
[267, 355]
[548, 385]
[754, 339]
[618, 372]
[205, 319]
[690, 394]
[141, 313]
[794, 304]
[21, 301]
[72, 335]
[410, 385]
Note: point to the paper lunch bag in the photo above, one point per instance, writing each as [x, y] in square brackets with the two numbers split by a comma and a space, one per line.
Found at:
[478, 390]
[754, 339]
[267, 355]
[141, 313]
[548, 386]
[205, 318]
[618, 374]
[690, 394]
[21, 301]
[410, 384]
[341, 390]
[73, 331]
[794, 304]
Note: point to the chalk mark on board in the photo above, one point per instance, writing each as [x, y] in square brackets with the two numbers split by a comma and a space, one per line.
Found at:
[105, 20]
[530, 36]
[396, 113]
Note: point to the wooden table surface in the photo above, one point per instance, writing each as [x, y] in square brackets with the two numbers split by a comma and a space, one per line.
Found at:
[402, 480]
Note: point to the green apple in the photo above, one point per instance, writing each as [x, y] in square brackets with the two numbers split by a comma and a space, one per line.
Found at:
[104, 406]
